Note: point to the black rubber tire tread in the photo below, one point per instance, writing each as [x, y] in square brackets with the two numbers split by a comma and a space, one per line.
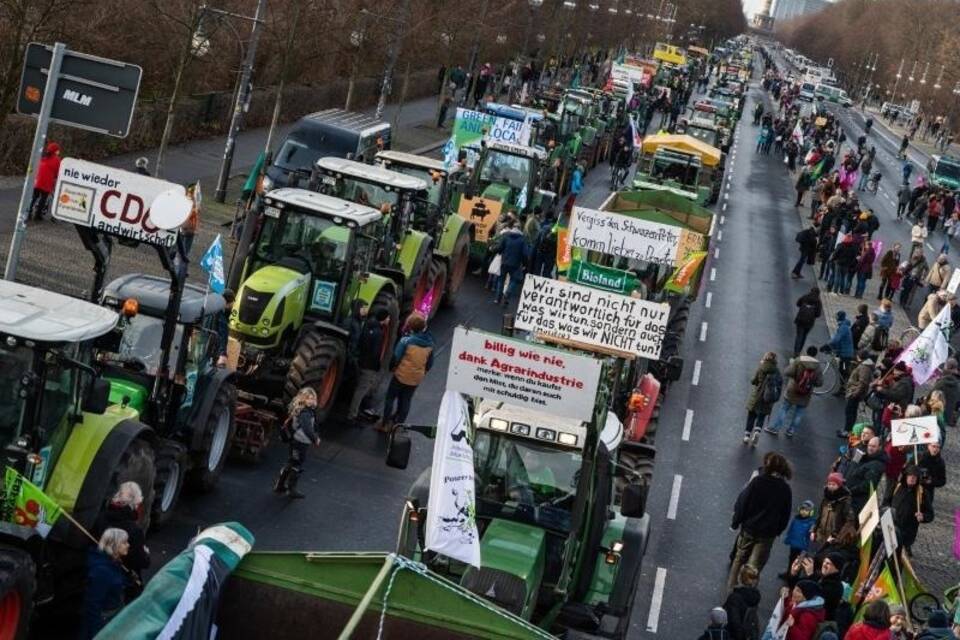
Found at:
[462, 245]
[386, 299]
[315, 353]
[420, 266]
[635, 462]
[200, 477]
[137, 464]
[438, 269]
[18, 572]
[170, 452]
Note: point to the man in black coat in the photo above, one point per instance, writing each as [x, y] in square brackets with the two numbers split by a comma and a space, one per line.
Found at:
[761, 513]
[933, 471]
[369, 354]
[807, 239]
[864, 476]
[809, 308]
[949, 384]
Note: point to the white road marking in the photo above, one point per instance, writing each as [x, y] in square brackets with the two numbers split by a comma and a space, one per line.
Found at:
[726, 196]
[723, 218]
[716, 253]
[930, 246]
[656, 601]
[696, 373]
[674, 497]
[724, 207]
[719, 235]
[687, 425]
[713, 274]
[709, 299]
[703, 332]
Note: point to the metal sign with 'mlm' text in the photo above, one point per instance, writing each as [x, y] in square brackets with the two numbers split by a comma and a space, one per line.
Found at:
[91, 92]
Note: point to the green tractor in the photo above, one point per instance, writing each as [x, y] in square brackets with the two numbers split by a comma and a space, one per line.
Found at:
[450, 232]
[410, 226]
[311, 257]
[59, 430]
[554, 549]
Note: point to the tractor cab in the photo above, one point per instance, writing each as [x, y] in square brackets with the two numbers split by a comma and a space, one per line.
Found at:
[509, 173]
[680, 164]
[434, 173]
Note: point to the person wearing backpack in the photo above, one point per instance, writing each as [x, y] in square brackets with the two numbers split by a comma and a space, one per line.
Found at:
[842, 345]
[809, 308]
[767, 387]
[302, 419]
[743, 621]
[717, 628]
[807, 241]
[857, 388]
[803, 374]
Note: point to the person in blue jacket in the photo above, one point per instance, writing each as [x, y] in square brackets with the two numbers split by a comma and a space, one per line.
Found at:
[842, 345]
[106, 581]
[797, 536]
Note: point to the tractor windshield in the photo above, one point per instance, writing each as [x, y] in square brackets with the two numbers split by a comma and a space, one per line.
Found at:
[434, 188]
[676, 167]
[500, 167]
[524, 480]
[369, 194]
[14, 363]
[301, 240]
[140, 345]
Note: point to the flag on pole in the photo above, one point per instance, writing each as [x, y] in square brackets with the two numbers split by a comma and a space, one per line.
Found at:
[452, 511]
[931, 348]
[25, 504]
[212, 263]
[797, 134]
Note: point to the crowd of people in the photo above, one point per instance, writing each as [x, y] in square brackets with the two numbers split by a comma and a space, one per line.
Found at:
[822, 535]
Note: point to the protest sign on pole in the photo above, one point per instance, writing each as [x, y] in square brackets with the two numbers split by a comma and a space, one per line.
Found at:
[889, 532]
[571, 313]
[523, 374]
[472, 127]
[633, 238]
[914, 431]
[869, 517]
[451, 513]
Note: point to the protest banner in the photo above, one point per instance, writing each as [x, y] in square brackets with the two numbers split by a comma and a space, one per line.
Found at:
[482, 213]
[571, 313]
[472, 127]
[914, 431]
[523, 374]
[633, 238]
[869, 517]
[592, 275]
[889, 531]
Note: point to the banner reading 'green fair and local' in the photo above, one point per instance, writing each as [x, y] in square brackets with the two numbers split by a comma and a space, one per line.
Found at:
[471, 127]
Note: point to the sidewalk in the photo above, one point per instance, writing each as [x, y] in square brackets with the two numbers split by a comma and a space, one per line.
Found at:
[926, 147]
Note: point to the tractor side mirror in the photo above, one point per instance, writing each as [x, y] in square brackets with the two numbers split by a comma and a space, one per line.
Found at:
[398, 448]
[633, 500]
[98, 396]
[673, 369]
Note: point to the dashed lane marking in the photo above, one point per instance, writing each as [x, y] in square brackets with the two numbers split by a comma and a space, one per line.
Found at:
[656, 601]
[724, 208]
[687, 425]
[674, 497]
[716, 253]
[709, 299]
[713, 274]
[696, 373]
[726, 196]
[703, 332]
[723, 218]
[719, 235]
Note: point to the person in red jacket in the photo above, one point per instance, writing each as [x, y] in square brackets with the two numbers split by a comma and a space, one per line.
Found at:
[875, 624]
[804, 610]
[46, 180]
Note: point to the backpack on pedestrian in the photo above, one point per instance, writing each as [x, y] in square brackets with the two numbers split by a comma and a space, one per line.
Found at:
[824, 627]
[772, 387]
[805, 380]
[881, 336]
[807, 315]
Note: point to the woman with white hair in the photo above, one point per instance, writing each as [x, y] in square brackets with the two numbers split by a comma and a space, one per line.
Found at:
[106, 581]
[125, 511]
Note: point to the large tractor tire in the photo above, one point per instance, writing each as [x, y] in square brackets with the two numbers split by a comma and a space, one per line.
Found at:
[459, 264]
[639, 466]
[137, 464]
[171, 464]
[218, 432]
[320, 363]
[387, 300]
[418, 284]
[438, 285]
[17, 586]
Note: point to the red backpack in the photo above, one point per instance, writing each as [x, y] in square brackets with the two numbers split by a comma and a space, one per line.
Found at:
[805, 380]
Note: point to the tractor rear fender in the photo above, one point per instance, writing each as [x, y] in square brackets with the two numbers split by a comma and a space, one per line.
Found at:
[383, 274]
[83, 471]
[411, 248]
[635, 535]
[453, 226]
[326, 328]
[374, 284]
[208, 386]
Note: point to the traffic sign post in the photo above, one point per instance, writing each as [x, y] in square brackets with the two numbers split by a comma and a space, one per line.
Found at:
[39, 142]
[74, 89]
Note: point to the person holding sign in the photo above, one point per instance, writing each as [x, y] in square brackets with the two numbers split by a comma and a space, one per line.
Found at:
[911, 505]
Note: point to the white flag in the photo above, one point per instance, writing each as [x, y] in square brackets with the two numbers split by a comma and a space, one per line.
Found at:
[451, 512]
[930, 349]
[798, 134]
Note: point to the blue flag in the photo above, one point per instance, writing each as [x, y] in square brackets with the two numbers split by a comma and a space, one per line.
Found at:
[212, 263]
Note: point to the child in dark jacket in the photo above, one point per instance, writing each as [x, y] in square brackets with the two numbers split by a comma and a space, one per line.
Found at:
[797, 536]
[717, 629]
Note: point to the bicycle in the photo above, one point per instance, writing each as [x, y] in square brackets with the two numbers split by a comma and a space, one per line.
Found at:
[618, 177]
[873, 184]
[830, 371]
[923, 603]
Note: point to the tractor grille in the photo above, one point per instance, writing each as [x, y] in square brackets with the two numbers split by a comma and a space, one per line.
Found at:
[252, 305]
[503, 589]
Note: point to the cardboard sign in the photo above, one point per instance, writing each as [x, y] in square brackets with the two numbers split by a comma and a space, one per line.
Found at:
[111, 200]
[482, 214]
[523, 374]
[914, 431]
[470, 127]
[889, 531]
[954, 281]
[869, 518]
[592, 318]
[632, 238]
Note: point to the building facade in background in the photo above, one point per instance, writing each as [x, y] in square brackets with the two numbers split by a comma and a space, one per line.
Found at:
[787, 9]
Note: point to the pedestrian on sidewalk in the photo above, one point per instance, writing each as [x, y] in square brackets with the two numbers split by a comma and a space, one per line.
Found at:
[444, 109]
[369, 354]
[123, 512]
[514, 255]
[939, 274]
[841, 345]
[741, 605]
[412, 359]
[856, 390]
[918, 234]
[903, 200]
[799, 532]
[888, 268]
[761, 513]
[859, 324]
[46, 180]
[803, 374]
[912, 505]
[933, 470]
[864, 267]
[106, 583]
[809, 308]
[717, 627]
[807, 241]
[949, 384]
[767, 383]
[301, 427]
[931, 308]
[863, 477]
[875, 624]
[835, 511]
[845, 262]
[802, 185]
[914, 275]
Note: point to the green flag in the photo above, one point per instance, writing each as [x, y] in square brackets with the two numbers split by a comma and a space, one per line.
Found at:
[27, 505]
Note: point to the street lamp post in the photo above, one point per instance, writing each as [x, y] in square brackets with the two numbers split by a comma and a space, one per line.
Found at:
[897, 83]
[243, 97]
